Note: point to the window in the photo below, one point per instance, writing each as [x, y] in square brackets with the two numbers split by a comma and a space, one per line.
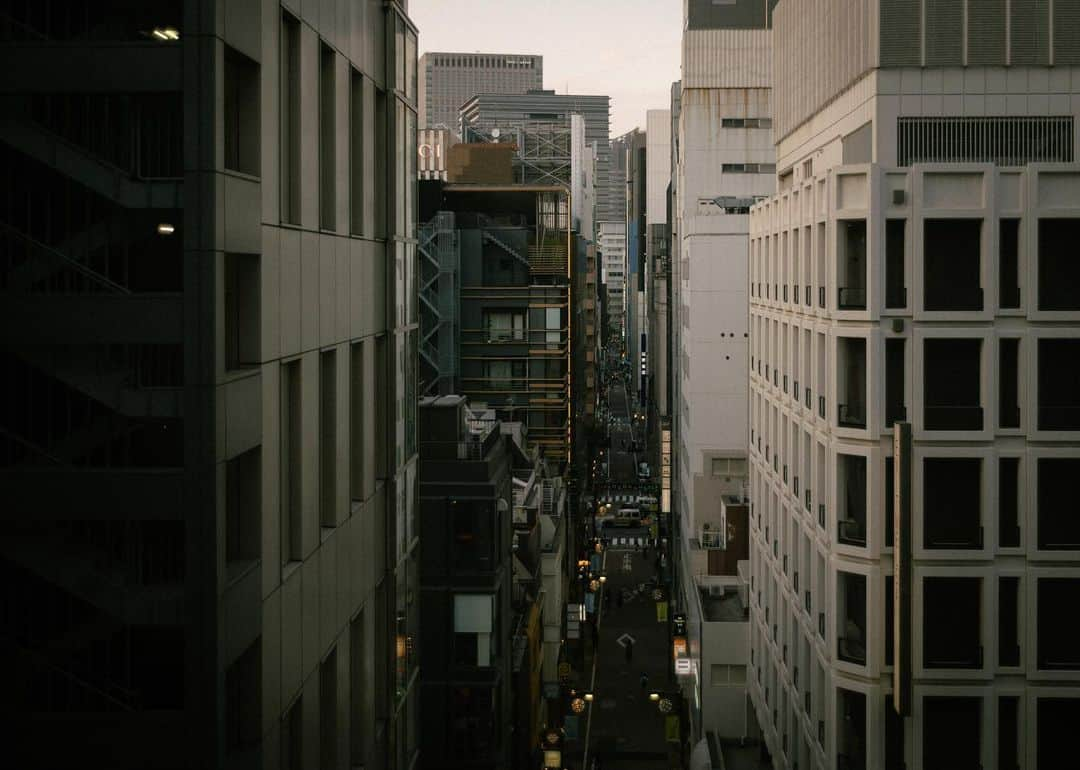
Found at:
[473, 624]
[243, 701]
[473, 723]
[241, 113]
[291, 459]
[1056, 719]
[951, 618]
[1009, 382]
[1059, 384]
[748, 168]
[952, 502]
[327, 138]
[1009, 262]
[952, 249]
[1007, 732]
[952, 730]
[359, 723]
[504, 325]
[895, 291]
[722, 675]
[243, 510]
[952, 383]
[289, 87]
[1009, 502]
[727, 467]
[328, 712]
[1059, 270]
[1056, 498]
[243, 322]
[553, 324]
[504, 375]
[357, 444]
[1058, 640]
[1008, 621]
[328, 438]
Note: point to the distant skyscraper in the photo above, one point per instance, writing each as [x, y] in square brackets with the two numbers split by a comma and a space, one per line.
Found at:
[448, 80]
[505, 111]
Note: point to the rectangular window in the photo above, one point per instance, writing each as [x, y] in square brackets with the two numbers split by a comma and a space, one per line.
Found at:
[292, 737]
[289, 96]
[243, 510]
[1008, 621]
[1059, 270]
[327, 138]
[1009, 262]
[291, 459]
[356, 153]
[951, 618]
[952, 384]
[243, 701]
[358, 721]
[356, 421]
[952, 732]
[504, 325]
[241, 113]
[952, 502]
[1057, 494]
[473, 624]
[1009, 502]
[1009, 382]
[895, 290]
[243, 321]
[1058, 639]
[328, 438]
[1007, 735]
[1059, 384]
[952, 251]
[1056, 720]
[328, 712]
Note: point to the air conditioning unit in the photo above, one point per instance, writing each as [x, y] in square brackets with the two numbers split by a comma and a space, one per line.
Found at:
[716, 592]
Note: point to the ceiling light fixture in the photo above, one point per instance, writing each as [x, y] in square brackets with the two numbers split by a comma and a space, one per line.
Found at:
[165, 229]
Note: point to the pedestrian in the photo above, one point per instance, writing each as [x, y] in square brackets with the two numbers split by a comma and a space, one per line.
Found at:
[644, 680]
[629, 650]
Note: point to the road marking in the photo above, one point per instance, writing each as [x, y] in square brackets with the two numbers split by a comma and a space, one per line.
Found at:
[626, 639]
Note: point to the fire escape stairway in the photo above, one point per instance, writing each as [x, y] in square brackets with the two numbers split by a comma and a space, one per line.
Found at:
[492, 238]
[52, 265]
[102, 177]
[83, 369]
[83, 571]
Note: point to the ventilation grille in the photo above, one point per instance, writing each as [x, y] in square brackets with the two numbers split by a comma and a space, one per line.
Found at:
[1002, 141]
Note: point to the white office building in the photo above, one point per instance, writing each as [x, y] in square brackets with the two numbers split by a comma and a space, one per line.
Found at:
[918, 265]
[724, 161]
[612, 239]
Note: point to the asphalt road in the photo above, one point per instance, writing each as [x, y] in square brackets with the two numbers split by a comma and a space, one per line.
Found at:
[622, 465]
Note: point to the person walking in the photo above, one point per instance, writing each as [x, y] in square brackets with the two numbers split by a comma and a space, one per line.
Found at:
[644, 680]
[629, 650]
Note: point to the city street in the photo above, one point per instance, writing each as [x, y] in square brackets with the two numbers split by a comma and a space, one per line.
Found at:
[625, 729]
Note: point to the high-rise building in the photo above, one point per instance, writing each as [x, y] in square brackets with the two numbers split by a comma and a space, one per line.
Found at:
[448, 80]
[636, 148]
[917, 267]
[207, 433]
[723, 162]
[657, 270]
[485, 112]
[611, 237]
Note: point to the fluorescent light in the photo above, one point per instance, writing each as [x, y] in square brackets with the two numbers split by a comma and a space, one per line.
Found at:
[166, 33]
[171, 33]
[165, 229]
[160, 35]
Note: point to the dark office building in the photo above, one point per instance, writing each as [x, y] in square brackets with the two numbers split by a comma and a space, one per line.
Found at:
[465, 586]
[208, 456]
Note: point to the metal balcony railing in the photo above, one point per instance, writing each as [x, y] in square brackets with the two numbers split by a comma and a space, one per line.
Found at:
[953, 417]
[851, 415]
[851, 298]
[852, 531]
[954, 298]
[1065, 417]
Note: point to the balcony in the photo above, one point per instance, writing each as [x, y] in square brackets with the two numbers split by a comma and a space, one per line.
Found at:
[851, 298]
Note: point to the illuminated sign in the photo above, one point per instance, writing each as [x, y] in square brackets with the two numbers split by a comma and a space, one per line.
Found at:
[678, 648]
[682, 666]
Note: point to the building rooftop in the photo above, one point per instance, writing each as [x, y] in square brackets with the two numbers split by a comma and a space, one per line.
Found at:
[726, 608]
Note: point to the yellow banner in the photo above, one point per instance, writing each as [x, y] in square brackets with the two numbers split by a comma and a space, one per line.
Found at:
[671, 729]
[661, 612]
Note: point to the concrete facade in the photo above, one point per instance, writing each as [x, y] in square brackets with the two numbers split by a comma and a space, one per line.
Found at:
[899, 283]
[228, 505]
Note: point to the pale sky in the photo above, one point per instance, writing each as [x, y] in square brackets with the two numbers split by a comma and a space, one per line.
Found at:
[627, 49]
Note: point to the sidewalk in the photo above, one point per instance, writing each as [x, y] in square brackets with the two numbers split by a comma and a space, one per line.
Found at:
[627, 729]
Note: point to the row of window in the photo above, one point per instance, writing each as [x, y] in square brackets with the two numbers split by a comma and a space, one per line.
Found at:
[485, 62]
[952, 265]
